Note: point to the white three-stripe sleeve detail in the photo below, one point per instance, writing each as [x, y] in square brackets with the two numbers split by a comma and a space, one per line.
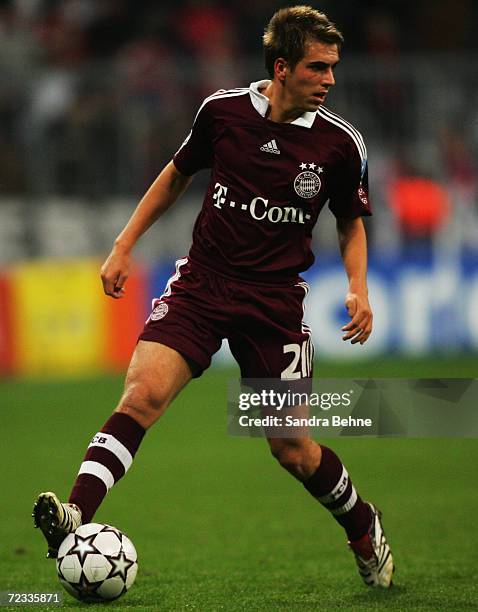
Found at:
[99, 470]
[221, 93]
[352, 132]
[105, 440]
[346, 126]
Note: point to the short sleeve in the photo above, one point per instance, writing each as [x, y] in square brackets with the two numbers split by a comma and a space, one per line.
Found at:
[196, 151]
[349, 197]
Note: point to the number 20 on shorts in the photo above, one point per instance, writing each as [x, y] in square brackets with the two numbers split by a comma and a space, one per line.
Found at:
[301, 364]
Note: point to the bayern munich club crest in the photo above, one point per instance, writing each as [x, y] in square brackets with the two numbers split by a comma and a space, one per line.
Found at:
[159, 311]
[307, 184]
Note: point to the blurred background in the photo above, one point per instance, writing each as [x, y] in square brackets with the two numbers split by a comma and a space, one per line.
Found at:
[97, 95]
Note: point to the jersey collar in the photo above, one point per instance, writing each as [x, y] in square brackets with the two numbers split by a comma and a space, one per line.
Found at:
[261, 104]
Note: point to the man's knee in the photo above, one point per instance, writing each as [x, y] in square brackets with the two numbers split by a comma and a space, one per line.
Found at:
[143, 402]
[300, 457]
[287, 455]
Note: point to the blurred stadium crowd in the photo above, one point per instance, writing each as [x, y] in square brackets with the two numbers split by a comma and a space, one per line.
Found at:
[96, 96]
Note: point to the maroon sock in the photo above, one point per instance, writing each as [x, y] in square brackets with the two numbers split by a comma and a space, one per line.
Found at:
[109, 455]
[331, 486]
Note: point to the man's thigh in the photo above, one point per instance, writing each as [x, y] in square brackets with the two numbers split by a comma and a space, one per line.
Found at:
[156, 374]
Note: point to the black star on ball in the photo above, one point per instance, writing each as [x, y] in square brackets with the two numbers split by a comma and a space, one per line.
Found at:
[110, 529]
[120, 565]
[84, 547]
[87, 590]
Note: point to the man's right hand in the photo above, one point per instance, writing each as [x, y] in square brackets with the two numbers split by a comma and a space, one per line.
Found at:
[114, 273]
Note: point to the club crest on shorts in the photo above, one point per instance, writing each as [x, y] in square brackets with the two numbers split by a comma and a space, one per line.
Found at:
[307, 184]
[159, 311]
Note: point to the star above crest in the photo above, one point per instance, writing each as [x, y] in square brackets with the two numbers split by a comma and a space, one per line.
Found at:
[311, 166]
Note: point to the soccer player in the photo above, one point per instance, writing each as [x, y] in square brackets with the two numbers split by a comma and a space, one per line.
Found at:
[277, 157]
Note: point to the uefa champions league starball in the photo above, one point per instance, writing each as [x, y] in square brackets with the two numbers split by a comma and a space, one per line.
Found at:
[97, 563]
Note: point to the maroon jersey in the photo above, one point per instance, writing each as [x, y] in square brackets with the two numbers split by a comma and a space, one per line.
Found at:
[269, 182]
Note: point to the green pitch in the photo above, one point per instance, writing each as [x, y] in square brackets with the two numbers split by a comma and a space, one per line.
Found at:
[219, 526]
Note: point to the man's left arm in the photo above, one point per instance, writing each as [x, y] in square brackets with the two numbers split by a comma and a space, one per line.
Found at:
[353, 248]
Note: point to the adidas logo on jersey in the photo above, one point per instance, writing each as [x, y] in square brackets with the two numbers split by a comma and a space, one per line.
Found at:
[270, 147]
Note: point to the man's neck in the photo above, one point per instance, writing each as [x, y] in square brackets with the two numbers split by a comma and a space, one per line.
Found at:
[279, 111]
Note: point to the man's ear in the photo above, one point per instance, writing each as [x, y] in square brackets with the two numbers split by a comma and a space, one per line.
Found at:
[280, 68]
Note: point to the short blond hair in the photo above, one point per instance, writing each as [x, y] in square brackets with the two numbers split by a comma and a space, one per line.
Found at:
[289, 31]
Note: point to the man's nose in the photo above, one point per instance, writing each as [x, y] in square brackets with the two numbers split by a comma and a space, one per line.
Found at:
[329, 77]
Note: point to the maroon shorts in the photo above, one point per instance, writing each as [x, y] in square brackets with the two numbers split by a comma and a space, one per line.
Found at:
[263, 324]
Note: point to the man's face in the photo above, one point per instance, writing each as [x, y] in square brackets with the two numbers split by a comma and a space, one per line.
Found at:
[306, 86]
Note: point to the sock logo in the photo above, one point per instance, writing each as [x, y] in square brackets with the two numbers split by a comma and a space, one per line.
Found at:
[341, 487]
[98, 440]
[338, 490]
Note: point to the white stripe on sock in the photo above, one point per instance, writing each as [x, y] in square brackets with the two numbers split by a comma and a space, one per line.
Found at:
[348, 505]
[99, 470]
[337, 490]
[108, 441]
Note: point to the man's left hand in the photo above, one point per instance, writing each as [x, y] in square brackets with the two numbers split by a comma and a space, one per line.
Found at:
[360, 327]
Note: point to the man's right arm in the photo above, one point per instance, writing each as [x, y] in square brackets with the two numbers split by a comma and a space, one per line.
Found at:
[165, 190]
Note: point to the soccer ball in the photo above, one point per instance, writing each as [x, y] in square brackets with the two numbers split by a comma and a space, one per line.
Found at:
[96, 563]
